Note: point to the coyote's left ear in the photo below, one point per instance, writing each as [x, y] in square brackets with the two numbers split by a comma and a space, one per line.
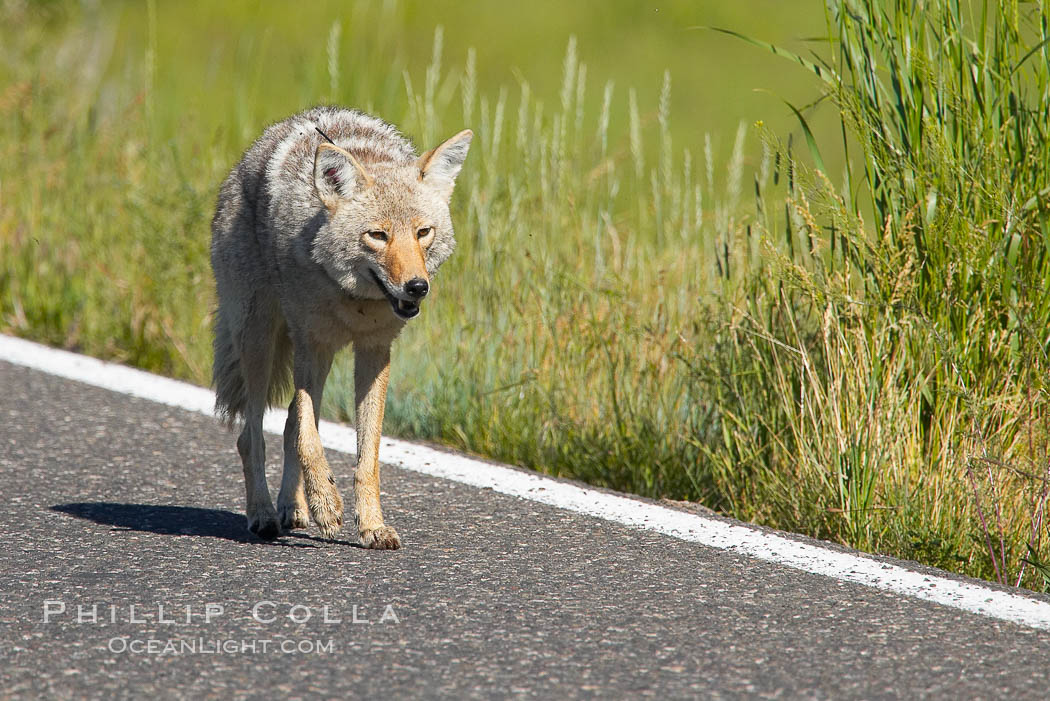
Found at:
[337, 174]
[440, 166]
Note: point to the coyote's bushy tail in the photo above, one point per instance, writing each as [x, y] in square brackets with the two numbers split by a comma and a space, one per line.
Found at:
[228, 373]
[230, 394]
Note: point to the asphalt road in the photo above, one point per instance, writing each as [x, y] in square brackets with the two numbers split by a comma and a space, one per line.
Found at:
[135, 509]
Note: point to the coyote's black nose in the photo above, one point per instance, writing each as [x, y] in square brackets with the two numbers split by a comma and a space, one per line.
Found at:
[417, 287]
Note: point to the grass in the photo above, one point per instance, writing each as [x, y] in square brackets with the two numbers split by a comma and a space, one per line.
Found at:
[857, 351]
[907, 358]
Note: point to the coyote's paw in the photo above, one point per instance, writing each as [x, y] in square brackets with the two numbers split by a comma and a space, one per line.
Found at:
[382, 538]
[264, 524]
[293, 516]
[326, 506]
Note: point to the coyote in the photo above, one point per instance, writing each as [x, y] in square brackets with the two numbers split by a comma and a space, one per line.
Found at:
[326, 233]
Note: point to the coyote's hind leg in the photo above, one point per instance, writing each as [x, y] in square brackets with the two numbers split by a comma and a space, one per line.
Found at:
[257, 350]
[262, 517]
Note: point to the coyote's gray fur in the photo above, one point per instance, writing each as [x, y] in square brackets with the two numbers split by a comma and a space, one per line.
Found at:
[317, 244]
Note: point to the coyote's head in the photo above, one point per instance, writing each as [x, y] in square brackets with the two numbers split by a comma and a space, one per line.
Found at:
[388, 226]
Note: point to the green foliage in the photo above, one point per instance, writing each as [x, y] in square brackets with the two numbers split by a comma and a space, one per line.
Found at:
[908, 362]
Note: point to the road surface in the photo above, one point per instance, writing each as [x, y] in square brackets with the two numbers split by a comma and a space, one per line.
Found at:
[128, 571]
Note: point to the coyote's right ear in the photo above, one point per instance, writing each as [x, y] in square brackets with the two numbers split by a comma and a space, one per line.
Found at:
[337, 174]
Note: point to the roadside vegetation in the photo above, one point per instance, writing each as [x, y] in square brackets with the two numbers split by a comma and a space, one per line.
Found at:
[856, 352]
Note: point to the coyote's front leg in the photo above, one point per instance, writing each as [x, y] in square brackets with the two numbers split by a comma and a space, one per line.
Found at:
[371, 373]
[305, 466]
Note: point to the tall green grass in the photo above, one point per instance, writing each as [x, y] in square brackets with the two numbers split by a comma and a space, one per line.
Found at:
[907, 355]
[857, 356]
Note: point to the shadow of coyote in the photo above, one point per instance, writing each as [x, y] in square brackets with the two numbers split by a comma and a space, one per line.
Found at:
[326, 233]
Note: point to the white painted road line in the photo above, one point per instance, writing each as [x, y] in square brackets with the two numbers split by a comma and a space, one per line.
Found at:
[847, 567]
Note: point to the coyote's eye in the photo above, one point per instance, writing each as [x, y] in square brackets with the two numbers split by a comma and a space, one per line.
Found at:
[424, 232]
[377, 234]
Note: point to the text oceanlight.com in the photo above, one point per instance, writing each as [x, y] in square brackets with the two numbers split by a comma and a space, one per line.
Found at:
[206, 646]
